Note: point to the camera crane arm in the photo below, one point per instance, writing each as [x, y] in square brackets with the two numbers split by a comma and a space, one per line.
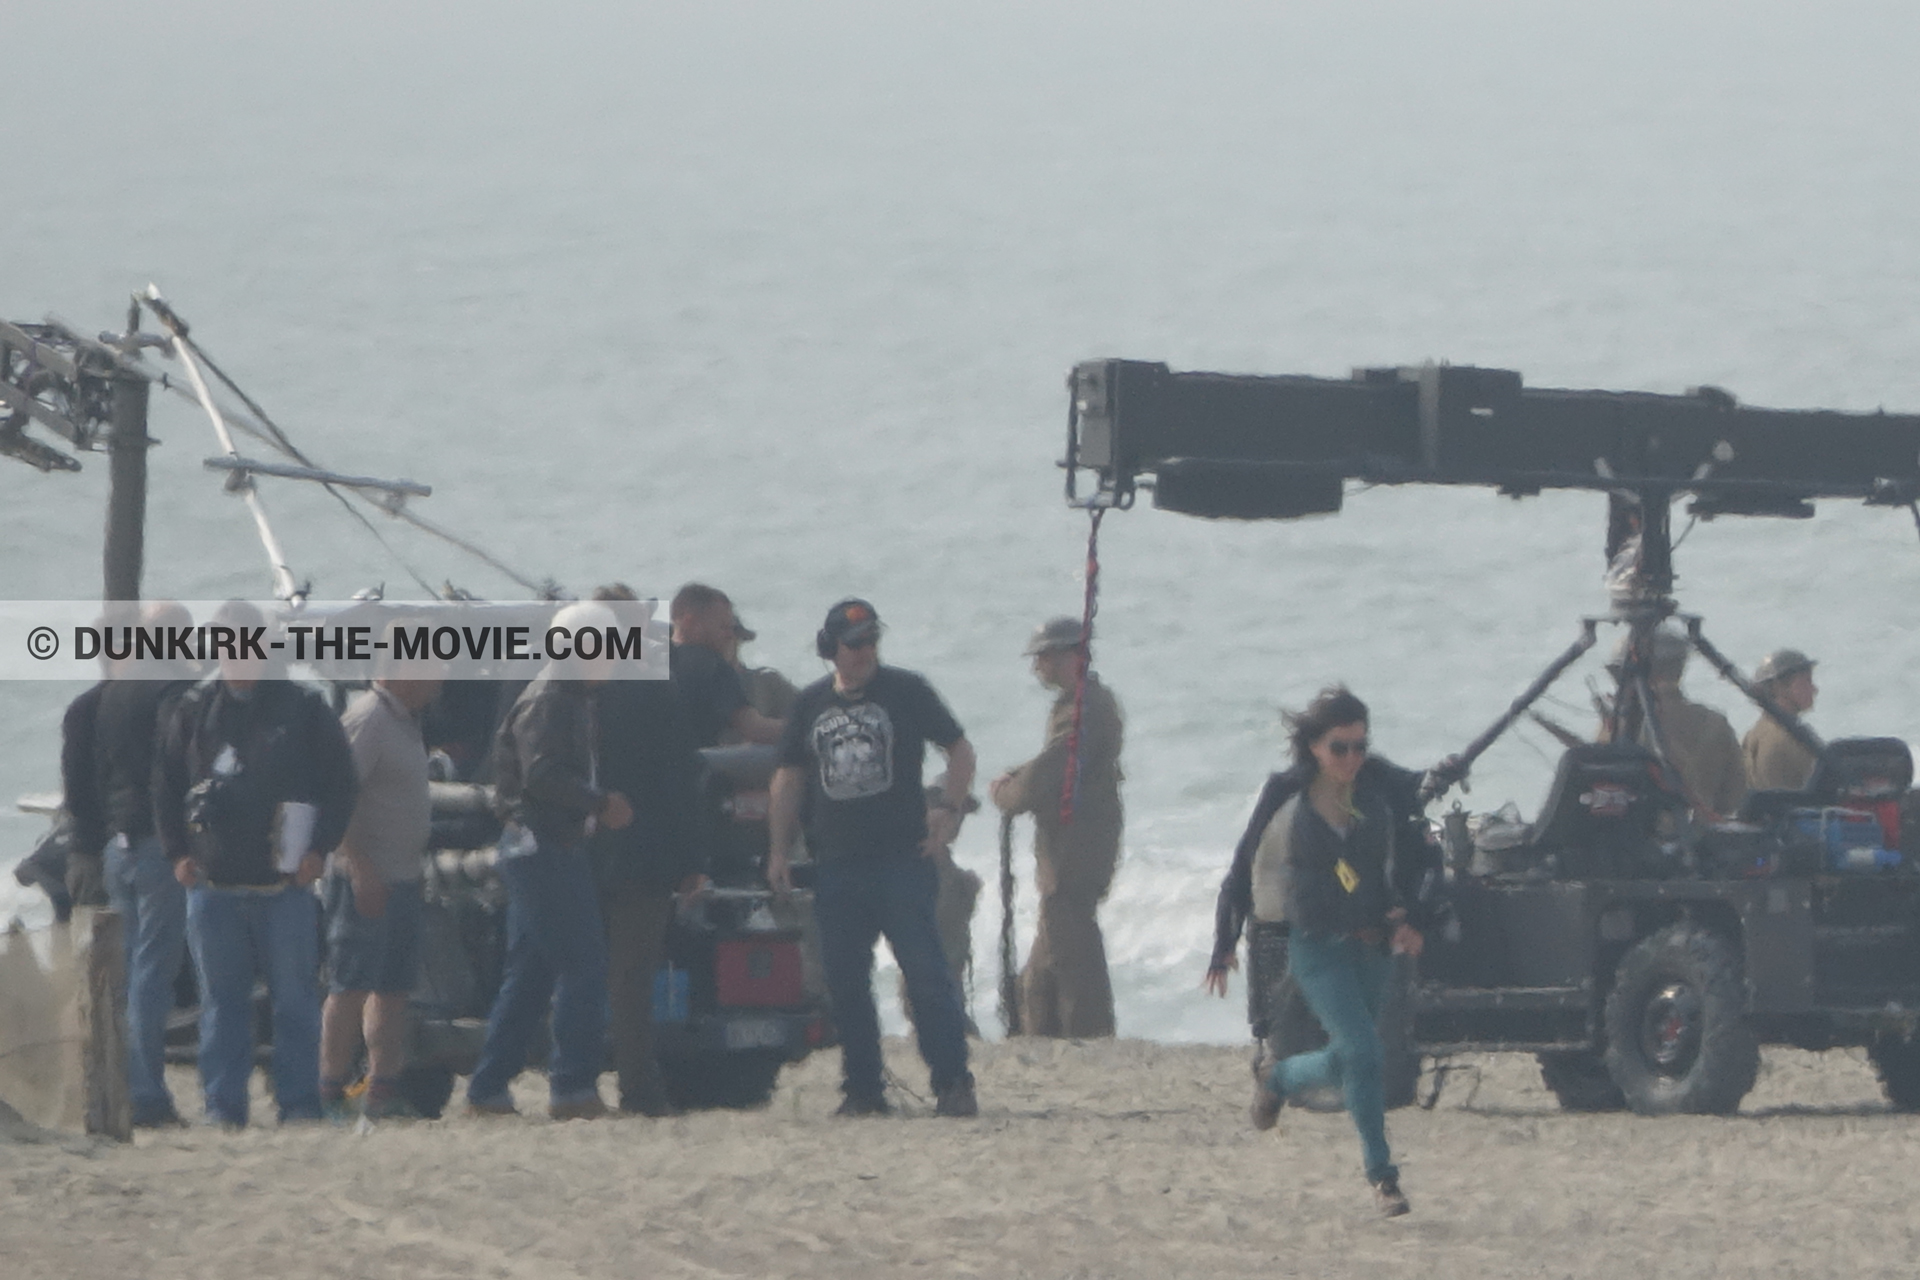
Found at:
[1227, 446]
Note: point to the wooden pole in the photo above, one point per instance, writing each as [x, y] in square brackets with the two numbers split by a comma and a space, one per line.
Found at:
[127, 491]
[104, 1017]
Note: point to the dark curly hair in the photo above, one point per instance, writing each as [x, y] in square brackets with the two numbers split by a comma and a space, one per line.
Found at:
[1332, 707]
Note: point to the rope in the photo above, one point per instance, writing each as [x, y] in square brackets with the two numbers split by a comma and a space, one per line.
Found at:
[1070, 786]
[1009, 973]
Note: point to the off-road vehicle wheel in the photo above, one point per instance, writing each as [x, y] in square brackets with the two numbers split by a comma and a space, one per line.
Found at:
[744, 1079]
[1580, 1081]
[1897, 1063]
[1678, 1039]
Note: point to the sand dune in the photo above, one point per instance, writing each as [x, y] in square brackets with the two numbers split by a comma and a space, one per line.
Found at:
[1117, 1159]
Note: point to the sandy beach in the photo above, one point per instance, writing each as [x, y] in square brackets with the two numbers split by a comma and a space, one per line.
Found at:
[1100, 1159]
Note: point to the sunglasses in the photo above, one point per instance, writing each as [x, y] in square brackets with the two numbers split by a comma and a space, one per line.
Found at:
[867, 643]
[1341, 748]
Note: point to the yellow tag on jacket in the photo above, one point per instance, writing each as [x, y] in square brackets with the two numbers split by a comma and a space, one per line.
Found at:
[1349, 878]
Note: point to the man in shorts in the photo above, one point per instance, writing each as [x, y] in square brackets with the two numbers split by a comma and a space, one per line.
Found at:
[373, 898]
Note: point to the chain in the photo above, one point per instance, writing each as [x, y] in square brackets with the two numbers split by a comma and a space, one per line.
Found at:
[1070, 787]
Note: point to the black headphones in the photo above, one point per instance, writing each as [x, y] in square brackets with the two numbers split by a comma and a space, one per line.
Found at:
[825, 642]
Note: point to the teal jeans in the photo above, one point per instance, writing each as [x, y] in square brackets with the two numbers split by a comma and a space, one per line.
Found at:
[1344, 980]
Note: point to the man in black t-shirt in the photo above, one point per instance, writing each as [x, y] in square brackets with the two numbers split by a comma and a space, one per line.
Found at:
[851, 766]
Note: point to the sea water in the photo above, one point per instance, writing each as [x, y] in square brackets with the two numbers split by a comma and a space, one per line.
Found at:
[781, 297]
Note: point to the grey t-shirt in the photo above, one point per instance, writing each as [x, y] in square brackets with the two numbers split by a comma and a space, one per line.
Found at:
[394, 814]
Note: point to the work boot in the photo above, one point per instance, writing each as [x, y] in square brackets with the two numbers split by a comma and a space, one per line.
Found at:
[1265, 1112]
[1387, 1194]
[389, 1106]
[858, 1104]
[957, 1100]
[585, 1105]
[167, 1119]
[653, 1103]
[494, 1108]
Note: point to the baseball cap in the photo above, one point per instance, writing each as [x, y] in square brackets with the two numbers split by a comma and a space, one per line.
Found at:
[850, 622]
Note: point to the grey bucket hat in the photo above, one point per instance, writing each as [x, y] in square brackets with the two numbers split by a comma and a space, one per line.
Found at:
[1056, 633]
[1780, 664]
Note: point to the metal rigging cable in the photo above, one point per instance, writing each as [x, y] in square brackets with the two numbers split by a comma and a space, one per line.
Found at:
[268, 432]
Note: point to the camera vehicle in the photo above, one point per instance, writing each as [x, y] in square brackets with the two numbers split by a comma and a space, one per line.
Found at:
[1643, 947]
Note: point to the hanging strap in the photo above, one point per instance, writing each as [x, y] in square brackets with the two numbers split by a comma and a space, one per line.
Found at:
[1070, 787]
[1009, 972]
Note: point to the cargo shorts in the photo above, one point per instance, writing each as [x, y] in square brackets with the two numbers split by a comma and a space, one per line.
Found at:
[380, 954]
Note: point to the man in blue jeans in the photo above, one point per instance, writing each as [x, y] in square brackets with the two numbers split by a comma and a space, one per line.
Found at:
[243, 763]
[117, 809]
[547, 791]
[851, 762]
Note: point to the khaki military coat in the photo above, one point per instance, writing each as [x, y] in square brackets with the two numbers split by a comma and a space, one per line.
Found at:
[1079, 857]
[1704, 750]
[1775, 762]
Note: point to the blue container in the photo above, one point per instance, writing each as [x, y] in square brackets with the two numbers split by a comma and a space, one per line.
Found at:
[1850, 839]
[670, 995]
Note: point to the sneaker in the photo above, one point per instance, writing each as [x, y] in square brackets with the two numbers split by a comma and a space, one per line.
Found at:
[957, 1100]
[338, 1110]
[857, 1104]
[1265, 1112]
[501, 1104]
[585, 1105]
[1387, 1194]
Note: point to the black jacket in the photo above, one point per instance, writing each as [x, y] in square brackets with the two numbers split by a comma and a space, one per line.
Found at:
[79, 729]
[647, 754]
[1412, 878]
[544, 773]
[126, 731]
[289, 747]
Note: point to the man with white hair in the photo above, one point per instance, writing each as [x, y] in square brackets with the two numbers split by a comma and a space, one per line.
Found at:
[547, 791]
[240, 756]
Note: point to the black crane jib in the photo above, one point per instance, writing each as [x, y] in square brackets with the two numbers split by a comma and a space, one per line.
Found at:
[1258, 447]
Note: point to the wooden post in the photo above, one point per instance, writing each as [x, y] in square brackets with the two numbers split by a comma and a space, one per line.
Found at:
[127, 494]
[103, 1015]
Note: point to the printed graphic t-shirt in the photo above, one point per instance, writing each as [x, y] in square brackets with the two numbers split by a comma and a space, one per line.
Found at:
[862, 754]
